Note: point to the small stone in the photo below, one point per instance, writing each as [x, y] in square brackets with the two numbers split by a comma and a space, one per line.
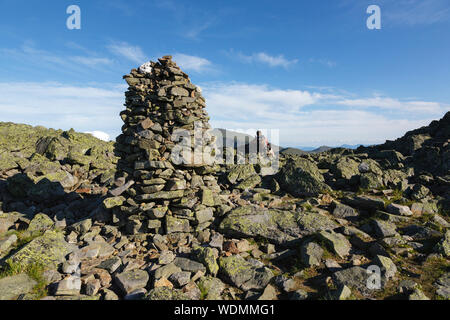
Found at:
[166, 257]
[343, 293]
[69, 286]
[166, 271]
[163, 282]
[111, 264]
[180, 278]
[399, 210]
[311, 254]
[92, 287]
[339, 243]
[418, 295]
[269, 293]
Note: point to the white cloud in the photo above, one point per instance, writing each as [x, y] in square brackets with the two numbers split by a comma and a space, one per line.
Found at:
[100, 135]
[192, 63]
[393, 104]
[304, 117]
[248, 101]
[272, 61]
[311, 118]
[56, 105]
[130, 52]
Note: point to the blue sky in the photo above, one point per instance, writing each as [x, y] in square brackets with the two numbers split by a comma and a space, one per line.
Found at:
[311, 69]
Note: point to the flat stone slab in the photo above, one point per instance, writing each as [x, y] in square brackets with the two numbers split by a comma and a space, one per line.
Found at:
[275, 225]
[12, 287]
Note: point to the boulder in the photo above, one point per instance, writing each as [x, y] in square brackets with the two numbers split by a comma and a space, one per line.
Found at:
[301, 177]
[242, 274]
[48, 250]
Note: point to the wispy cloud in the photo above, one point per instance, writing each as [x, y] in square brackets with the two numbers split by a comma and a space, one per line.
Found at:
[326, 62]
[393, 104]
[192, 63]
[315, 118]
[28, 52]
[264, 58]
[416, 12]
[127, 51]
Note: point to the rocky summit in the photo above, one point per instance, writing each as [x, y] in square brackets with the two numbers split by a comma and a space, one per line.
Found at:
[153, 216]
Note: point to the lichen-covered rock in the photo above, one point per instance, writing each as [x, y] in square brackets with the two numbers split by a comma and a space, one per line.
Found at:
[275, 225]
[443, 246]
[386, 265]
[337, 242]
[311, 254]
[211, 287]
[40, 222]
[240, 172]
[48, 250]
[206, 256]
[244, 275]
[301, 177]
[165, 294]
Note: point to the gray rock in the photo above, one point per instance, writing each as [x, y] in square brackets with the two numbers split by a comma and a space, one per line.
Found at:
[354, 278]
[136, 295]
[111, 265]
[343, 211]
[383, 229]
[338, 242]
[7, 242]
[269, 293]
[166, 271]
[213, 287]
[13, 286]
[399, 209]
[365, 202]
[417, 294]
[311, 254]
[242, 274]
[275, 225]
[299, 295]
[180, 279]
[166, 257]
[387, 266]
[133, 280]
[442, 286]
[49, 249]
[189, 265]
[70, 286]
[165, 293]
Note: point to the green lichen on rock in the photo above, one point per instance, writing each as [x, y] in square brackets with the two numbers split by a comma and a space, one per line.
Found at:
[112, 202]
[48, 250]
[165, 293]
[206, 256]
[302, 177]
[243, 274]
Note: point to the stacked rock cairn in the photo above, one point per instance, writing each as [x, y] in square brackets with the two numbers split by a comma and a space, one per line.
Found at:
[162, 189]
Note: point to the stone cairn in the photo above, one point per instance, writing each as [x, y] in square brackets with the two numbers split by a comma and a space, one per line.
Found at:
[162, 190]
